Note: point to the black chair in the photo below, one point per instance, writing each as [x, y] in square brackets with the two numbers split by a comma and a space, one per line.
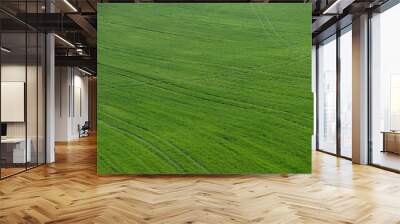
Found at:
[84, 130]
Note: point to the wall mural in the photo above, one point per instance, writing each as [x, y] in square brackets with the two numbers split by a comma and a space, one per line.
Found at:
[204, 88]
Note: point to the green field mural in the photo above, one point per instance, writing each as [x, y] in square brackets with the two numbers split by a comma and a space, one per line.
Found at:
[204, 88]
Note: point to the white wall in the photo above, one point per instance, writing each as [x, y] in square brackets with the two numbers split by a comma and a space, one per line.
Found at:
[62, 82]
[17, 73]
[13, 72]
[71, 102]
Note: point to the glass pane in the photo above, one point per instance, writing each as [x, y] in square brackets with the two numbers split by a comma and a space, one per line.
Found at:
[327, 95]
[31, 88]
[313, 74]
[386, 89]
[14, 153]
[346, 92]
[41, 99]
[32, 95]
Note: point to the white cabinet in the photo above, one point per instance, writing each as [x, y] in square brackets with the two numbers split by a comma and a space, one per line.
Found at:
[19, 155]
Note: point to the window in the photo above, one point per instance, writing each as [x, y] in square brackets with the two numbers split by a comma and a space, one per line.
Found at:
[346, 92]
[327, 95]
[385, 89]
[22, 77]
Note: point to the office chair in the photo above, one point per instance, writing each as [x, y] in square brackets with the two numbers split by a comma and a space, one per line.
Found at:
[84, 130]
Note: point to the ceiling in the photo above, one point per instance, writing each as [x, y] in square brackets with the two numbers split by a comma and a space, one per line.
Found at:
[332, 15]
[74, 22]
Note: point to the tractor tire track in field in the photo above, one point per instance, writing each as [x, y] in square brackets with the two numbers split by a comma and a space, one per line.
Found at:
[165, 32]
[178, 149]
[201, 88]
[188, 104]
[274, 154]
[234, 102]
[281, 65]
[277, 154]
[156, 150]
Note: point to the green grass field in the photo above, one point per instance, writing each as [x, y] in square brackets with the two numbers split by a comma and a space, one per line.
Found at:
[204, 88]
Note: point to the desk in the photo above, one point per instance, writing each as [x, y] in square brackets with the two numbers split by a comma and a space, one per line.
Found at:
[16, 153]
[391, 141]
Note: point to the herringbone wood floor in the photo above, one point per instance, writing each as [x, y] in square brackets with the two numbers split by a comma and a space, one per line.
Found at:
[69, 191]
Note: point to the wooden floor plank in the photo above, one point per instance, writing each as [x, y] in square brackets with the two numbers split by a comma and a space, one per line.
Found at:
[70, 191]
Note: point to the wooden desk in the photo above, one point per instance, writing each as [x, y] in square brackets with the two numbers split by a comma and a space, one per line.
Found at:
[13, 150]
[391, 141]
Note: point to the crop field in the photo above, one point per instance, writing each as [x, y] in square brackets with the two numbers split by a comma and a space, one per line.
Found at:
[204, 88]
